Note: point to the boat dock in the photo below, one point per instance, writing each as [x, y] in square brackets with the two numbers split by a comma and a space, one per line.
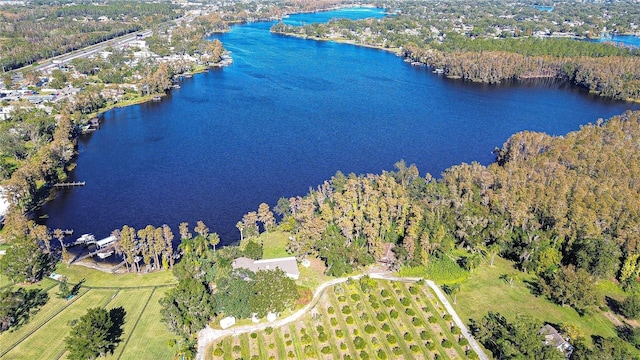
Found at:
[70, 184]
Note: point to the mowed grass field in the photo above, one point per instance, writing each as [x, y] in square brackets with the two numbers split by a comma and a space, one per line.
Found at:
[393, 320]
[144, 335]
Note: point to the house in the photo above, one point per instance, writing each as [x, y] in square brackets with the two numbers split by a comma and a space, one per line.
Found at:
[553, 338]
[289, 265]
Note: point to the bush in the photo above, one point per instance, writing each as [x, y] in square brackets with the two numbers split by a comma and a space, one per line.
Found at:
[630, 307]
[413, 290]
[346, 310]
[389, 302]
[375, 305]
[319, 328]
[455, 330]
[333, 322]
[407, 336]
[430, 345]
[391, 339]
[410, 312]
[381, 316]
[305, 339]
[331, 310]
[291, 354]
[385, 293]
[343, 346]
[463, 341]
[381, 354]
[416, 322]
[323, 336]
[218, 352]
[424, 335]
[359, 343]
[369, 329]
[447, 317]
[289, 342]
[355, 297]
[364, 355]
[393, 314]
[339, 333]
[268, 330]
[325, 350]
[432, 319]
[271, 346]
[364, 317]
[349, 320]
[255, 357]
[396, 351]
[386, 328]
[446, 344]
[253, 335]
[414, 348]
[286, 336]
[405, 301]
[309, 351]
[342, 298]
[236, 348]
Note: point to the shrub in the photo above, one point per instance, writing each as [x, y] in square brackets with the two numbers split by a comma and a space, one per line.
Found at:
[343, 346]
[410, 312]
[349, 320]
[393, 314]
[407, 336]
[355, 332]
[359, 306]
[346, 357]
[388, 302]
[218, 352]
[446, 344]
[416, 321]
[430, 345]
[342, 298]
[381, 354]
[346, 310]
[323, 336]
[385, 293]
[391, 339]
[369, 329]
[236, 348]
[268, 330]
[286, 336]
[432, 319]
[405, 301]
[309, 351]
[291, 354]
[463, 341]
[447, 317]
[255, 357]
[413, 290]
[375, 305]
[424, 335]
[333, 322]
[253, 335]
[396, 351]
[386, 328]
[339, 333]
[359, 343]
[471, 355]
[364, 355]
[355, 297]
[271, 346]
[381, 316]
[289, 342]
[364, 317]
[630, 307]
[305, 339]
[455, 330]
[331, 310]
[319, 328]
[325, 350]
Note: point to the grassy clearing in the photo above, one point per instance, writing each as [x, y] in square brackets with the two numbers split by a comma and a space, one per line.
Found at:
[96, 278]
[48, 341]
[389, 322]
[486, 291]
[275, 244]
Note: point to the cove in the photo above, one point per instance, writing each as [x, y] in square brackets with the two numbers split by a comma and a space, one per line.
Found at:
[286, 116]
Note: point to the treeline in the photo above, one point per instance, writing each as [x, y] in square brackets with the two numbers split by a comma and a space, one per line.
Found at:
[564, 208]
[34, 33]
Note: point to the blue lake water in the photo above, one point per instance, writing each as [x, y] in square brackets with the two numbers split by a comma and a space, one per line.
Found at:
[627, 40]
[286, 116]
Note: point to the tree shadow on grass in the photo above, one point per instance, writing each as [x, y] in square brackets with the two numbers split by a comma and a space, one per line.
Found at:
[117, 316]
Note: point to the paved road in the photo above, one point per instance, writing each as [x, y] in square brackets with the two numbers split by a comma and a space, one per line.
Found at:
[209, 335]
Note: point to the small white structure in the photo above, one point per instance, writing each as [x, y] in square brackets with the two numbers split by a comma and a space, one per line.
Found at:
[254, 319]
[271, 317]
[227, 322]
[106, 241]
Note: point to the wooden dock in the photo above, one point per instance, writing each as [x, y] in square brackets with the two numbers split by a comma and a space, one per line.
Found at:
[107, 249]
[70, 184]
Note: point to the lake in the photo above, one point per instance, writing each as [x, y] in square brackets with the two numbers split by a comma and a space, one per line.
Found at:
[286, 116]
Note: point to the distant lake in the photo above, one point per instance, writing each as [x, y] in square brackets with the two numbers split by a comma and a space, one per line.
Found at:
[628, 40]
[286, 116]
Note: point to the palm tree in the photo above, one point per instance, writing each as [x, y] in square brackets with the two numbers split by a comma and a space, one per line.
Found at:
[453, 291]
[240, 226]
[214, 239]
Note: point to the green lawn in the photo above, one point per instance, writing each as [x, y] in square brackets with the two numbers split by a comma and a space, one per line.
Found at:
[484, 291]
[96, 278]
[133, 301]
[275, 244]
